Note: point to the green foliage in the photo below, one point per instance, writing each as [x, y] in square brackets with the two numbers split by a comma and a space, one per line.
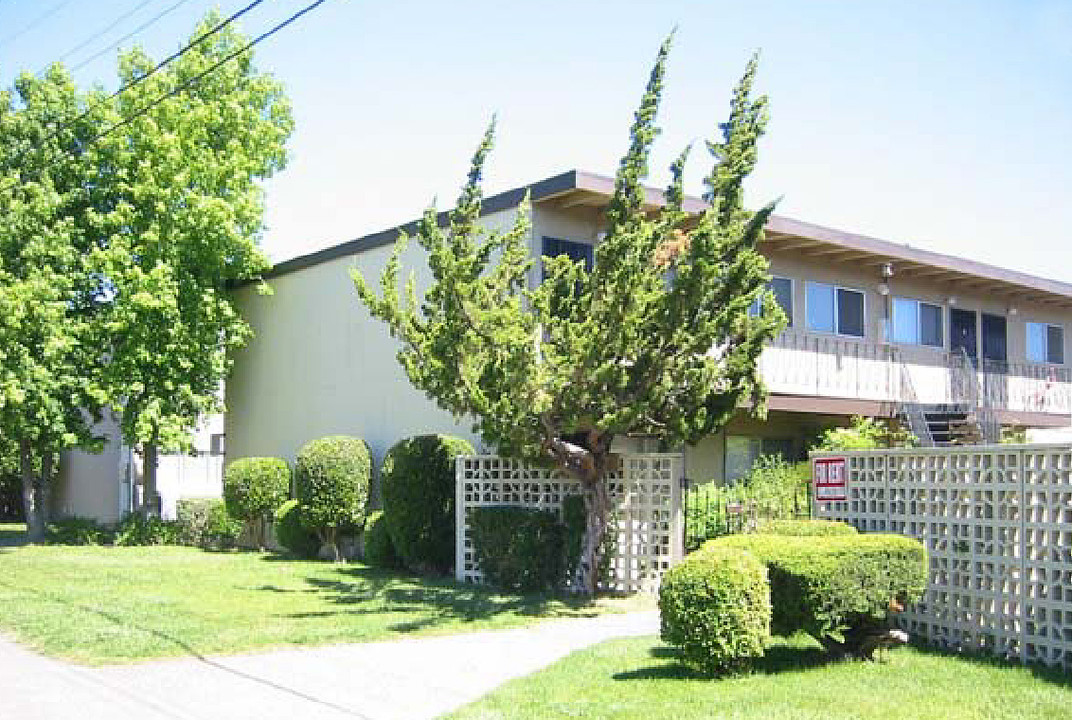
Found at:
[865, 434]
[773, 490]
[715, 607]
[292, 534]
[332, 481]
[518, 548]
[253, 488]
[137, 529]
[379, 550]
[78, 531]
[806, 528]
[205, 523]
[555, 372]
[834, 587]
[418, 485]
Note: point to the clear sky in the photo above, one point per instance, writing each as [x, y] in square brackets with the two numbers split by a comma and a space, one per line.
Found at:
[946, 125]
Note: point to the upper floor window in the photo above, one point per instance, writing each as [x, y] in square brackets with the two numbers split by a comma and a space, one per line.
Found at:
[553, 247]
[783, 295]
[917, 322]
[833, 309]
[1045, 343]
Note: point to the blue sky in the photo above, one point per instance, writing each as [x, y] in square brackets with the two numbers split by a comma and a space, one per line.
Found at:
[945, 125]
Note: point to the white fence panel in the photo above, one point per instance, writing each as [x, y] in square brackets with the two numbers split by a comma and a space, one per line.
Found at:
[187, 476]
[997, 524]
[645, 496]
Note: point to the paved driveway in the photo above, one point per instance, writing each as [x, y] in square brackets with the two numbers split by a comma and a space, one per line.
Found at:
[406, 679]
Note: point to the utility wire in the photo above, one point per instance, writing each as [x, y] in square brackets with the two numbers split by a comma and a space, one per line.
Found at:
[35, 22]
[145, 25]
[99, 33]
[197, 78]
[156, 68]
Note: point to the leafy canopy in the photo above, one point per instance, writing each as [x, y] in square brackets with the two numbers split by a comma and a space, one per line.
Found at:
[656, 338]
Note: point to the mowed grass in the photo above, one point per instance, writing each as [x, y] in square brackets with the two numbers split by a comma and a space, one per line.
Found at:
[113, 604]
[640, 678]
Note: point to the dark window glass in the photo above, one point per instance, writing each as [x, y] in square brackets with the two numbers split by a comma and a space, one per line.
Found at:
[850, 306]
[778, 447]
[930, 325]
[1055, 345]
[783, 294]
[553, 247]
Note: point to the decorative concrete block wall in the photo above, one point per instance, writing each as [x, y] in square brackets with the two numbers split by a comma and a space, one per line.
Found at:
[997, 523]
[645, 497]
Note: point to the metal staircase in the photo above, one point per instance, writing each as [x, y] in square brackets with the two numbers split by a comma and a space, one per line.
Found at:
[968, 420]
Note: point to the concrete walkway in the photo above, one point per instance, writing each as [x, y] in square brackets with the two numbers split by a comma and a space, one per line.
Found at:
[405, 679]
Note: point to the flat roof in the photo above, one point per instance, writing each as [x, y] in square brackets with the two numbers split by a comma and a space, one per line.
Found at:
[576, 188]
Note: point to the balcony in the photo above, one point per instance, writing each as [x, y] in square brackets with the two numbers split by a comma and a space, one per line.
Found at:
[835, 367]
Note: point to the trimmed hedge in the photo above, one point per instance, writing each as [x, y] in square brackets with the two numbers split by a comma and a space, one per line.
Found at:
[332, 482]
[518, 548]
[136, 529]
[418, 482]
[252, 489]
[379, 550]
[715, 607]
[292, 534]
[205, 523]
[835, 588]
[807, 528]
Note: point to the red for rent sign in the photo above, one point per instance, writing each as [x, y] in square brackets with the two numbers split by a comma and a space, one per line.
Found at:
[829, 478]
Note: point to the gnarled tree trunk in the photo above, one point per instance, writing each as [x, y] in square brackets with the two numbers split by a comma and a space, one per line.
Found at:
[597, 512]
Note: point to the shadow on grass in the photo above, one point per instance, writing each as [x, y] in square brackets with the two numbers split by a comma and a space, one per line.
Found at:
[1053, 675]
[12, 535]
[779, 658]
[365, 590]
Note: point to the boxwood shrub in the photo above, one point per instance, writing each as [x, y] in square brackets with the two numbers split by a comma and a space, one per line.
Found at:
[835, 588]
[518, 548]
[292, 534]
[205, 523]
[417, 482]
[715, 607]
[379, 550]
[137, 529]
[332, 482]
[252, 489]
[807, 528]
[75, 530]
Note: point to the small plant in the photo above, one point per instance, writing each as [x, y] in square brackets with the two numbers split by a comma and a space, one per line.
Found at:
[418, 499]
[332, 481]
[715, 607]
[252, 489]
[379, 550]
[205, 523]
[518, 548]
[136, 529]
[78, 531]
[292, 534]
[866, 434]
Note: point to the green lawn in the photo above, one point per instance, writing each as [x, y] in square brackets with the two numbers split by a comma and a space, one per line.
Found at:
[105, 604]
[640, 678]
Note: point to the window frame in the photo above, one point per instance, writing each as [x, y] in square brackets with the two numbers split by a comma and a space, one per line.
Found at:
[590, 261]
[919, 323]
[837, 314]
[1046, 339]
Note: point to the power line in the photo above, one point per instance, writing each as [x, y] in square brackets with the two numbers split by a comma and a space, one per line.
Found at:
[99, 33]
[35, 22]
[156, 68]
[197, 78]
[147, 24]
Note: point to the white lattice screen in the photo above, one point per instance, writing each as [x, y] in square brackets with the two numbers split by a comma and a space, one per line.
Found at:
[997, 522]
[645, 496]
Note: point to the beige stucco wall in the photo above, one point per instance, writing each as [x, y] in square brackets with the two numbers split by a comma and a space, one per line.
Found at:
[318, 364]
[91, 484]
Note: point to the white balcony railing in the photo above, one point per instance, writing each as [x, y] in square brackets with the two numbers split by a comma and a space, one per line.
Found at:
[828, 366]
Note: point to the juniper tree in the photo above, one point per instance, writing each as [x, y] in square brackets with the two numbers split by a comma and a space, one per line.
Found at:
[655, 339]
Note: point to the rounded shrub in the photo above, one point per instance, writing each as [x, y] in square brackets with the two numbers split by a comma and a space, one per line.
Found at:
[253, 488]
[332, 482]
[417, 482]
[290, 532]
[807, 528]
[715, 607]
[205, 523]
[379, 550]
[518, 548]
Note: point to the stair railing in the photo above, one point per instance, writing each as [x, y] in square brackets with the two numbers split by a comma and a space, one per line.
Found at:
[910, 408]
[965, 388]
